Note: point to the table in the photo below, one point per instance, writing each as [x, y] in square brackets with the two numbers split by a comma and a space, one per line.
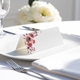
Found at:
[7, 74]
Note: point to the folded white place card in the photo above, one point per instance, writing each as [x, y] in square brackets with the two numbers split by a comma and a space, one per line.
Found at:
[37, 41]
[65, 63]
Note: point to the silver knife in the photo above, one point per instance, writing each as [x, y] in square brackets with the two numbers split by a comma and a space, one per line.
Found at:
[32, 29]
[9, 32]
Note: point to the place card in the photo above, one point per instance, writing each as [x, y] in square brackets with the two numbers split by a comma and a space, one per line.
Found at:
[37, 41]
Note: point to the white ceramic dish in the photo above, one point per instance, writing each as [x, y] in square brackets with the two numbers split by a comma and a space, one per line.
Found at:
[70, 41]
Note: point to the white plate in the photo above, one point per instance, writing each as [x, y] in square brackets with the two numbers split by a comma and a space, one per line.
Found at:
[69, 43]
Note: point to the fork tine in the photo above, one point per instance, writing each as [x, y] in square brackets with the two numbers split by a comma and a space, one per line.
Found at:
[12, 64]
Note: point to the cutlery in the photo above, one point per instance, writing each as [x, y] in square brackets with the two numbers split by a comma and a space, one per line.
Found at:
[32, 29]
[19, 68]
[9, 32]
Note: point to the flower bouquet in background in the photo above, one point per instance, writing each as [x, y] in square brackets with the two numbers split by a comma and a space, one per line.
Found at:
[37, 12]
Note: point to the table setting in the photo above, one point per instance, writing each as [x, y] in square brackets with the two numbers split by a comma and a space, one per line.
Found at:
[71, 42]
[39, 48]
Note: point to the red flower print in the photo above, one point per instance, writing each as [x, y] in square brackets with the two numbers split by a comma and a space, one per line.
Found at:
[33, 41]
[29, 44]
[32, 35]
[29, 40]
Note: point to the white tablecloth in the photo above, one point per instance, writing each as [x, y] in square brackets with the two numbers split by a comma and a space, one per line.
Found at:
[7, 74]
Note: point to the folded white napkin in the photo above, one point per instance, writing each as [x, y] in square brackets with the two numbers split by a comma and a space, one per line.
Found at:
[66, 63]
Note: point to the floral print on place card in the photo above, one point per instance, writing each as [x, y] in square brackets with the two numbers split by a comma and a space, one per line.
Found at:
[30, 41]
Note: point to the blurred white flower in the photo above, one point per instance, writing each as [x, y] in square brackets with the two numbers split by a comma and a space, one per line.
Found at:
[23, 15]
[43, 12]
[40, 11]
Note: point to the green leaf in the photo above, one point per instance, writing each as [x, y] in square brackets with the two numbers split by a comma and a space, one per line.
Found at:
[31, 1]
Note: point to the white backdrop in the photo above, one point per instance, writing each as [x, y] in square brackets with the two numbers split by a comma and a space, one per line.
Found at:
[77, 9]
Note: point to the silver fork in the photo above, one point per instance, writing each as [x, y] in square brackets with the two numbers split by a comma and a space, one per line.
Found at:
[19, 68]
